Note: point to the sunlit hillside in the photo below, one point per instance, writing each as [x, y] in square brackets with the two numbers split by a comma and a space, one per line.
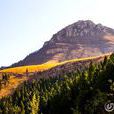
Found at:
[45, 66]
[16, 81]
[32, 68]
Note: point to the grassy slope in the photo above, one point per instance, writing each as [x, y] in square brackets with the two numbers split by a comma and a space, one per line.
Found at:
[45, 66]
[31, 68]
[14, 81]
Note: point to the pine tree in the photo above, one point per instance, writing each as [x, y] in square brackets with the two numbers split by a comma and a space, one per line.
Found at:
[34, 103]
[22, 108]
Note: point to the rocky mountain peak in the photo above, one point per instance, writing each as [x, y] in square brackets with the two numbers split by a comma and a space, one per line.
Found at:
[80, 29]
[80, 39]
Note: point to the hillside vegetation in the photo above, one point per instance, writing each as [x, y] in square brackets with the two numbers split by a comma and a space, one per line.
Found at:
[32, 68]
[45, 66]
[20, 74]
[78, 92]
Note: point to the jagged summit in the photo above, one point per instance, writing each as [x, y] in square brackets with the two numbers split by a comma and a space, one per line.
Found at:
[80, 39]
[80, 29]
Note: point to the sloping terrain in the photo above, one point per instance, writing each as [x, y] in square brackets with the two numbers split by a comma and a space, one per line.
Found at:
[44, 71]
[69, 49]
[45, 66]
[78, 40]
[14, 82]
[85, 91]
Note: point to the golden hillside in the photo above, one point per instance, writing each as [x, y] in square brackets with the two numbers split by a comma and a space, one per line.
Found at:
[15, 81]
[45, 66]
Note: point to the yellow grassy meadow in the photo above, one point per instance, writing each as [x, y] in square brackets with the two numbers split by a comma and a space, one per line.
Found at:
[45, 66]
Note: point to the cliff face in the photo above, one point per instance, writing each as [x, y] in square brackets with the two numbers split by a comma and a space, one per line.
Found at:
[81, 39]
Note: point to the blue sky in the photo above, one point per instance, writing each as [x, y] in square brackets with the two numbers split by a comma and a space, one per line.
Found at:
[26, 24]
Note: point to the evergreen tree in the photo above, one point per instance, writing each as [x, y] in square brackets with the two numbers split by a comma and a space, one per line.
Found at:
[34, 104]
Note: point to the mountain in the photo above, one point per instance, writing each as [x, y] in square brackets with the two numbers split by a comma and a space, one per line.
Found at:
[80, 39]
